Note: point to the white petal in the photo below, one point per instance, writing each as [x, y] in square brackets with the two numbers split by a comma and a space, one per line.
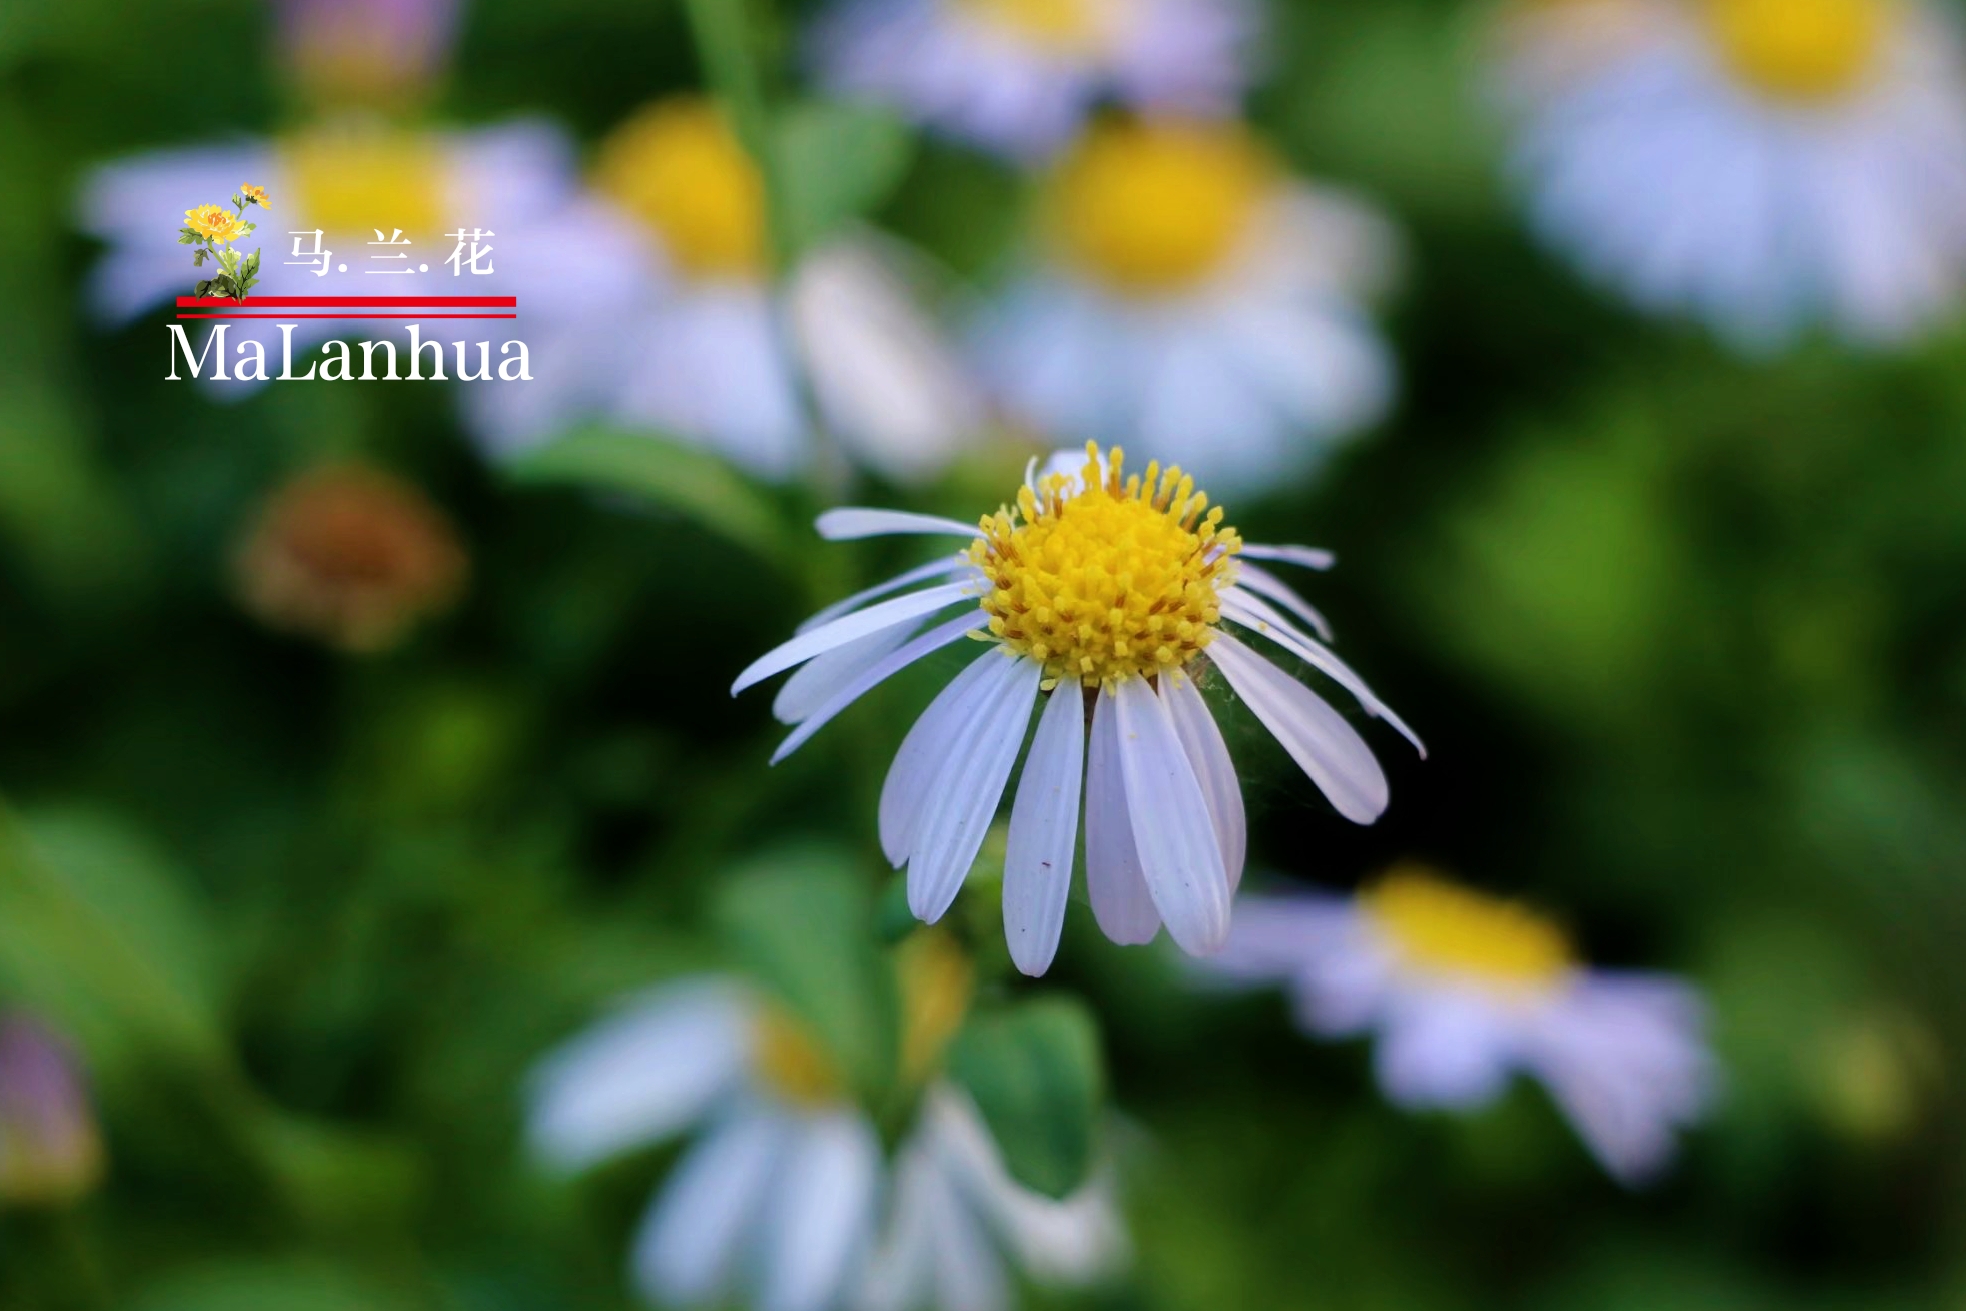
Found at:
[1305, 557]
[821, 1212]
[870, 677]
[919, 574]
[686, 1246]
[641, 1075]
[1625, 1057]
[1208, 756]
[1316, 736]
[1254, 613]
[1443, 1048]
[850, 628]
[1268, 584]
[969, 1276]
[1113, 878]
[845, 525]
[963, 799]
[1179, 853]
[915, 765]
[1044, 833]
[900, 1273]
[813, 683]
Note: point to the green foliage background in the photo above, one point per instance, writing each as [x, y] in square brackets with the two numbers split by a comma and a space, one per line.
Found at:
[1686, 634]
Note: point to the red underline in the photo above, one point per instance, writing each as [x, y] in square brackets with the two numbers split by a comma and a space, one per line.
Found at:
[403, 317]
[378, 302]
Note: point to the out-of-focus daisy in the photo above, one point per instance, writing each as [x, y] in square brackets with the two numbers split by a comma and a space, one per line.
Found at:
[787, 1201]
[50, 1148]
[351, 556]
[717, 354]
[1761, 165]
[1019, 76]
[1197, 299]
[360, 184]
[1463, 991]
[1105, 599]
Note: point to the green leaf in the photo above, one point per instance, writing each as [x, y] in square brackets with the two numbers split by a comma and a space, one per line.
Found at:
[801, 923]
[683, 478]
[1036, 1074]
[98, 932]
[836, 163]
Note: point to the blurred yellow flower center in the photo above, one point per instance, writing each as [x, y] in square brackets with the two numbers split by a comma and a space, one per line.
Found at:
[678, 168]
[1102, 579]
[1156, 207]
[792, 1065]
[936, 983]
[1800, 49]
[1064, 26]
[353, 181]
[1438, 927]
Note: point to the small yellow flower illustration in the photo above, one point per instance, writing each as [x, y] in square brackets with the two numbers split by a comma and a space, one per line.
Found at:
[214, 223]
[254, 195]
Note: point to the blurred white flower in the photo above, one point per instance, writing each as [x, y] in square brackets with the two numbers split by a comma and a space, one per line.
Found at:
[715, 353]
[1104, 592]
[1020, 76]
[1199, 301]
[786, 1201]
[1761, 165]
[1463, 991]
[569, 261]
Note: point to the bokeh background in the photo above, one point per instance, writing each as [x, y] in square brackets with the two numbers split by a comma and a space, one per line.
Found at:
[1686, 633]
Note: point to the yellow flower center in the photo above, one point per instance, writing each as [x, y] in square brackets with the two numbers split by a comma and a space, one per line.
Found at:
[353, 180]
[1157, 207]
[792, 1065]
[1439, 927]
[1800, 49]
[678, 168]
[1059, 26]
[1113, 579]
[936, 981]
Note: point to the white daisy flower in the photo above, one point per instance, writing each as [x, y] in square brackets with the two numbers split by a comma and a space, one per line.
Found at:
[1197, 299]
[1020, 76]
[786, 1201]
[1112, 595]
[1463, 991]
[716, 353]
[566, 258]
[1761, 165]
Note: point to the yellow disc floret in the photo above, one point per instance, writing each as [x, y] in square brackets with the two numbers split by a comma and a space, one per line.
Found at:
[215, 222]
[1158, 207]
[353, 179]
[1441, 928]
[1800, 49]
[1102, 578]
[679, 168]
[1060, 26]
[790, 1063]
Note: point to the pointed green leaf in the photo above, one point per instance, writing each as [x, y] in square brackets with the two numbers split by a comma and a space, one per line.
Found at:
[1036, 1074]
[837, 163]
[683, 478]
[801, 922]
